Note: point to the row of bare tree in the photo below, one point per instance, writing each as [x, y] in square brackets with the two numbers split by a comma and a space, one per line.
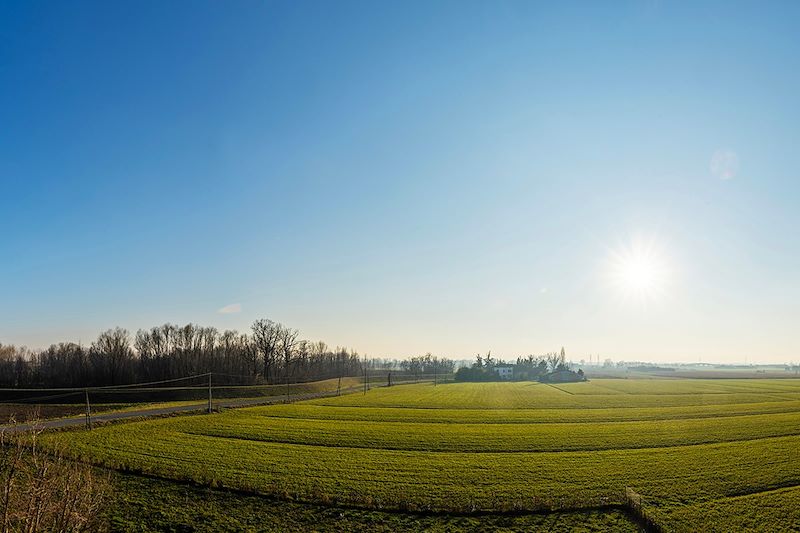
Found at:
[269, 353]
[427, 364]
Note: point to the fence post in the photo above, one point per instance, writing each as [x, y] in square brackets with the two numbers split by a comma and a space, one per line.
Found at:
[339, 387]
[210, 401]
[88, 410]
[635, 504]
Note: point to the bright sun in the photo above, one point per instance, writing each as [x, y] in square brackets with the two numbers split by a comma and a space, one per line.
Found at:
[639, 271]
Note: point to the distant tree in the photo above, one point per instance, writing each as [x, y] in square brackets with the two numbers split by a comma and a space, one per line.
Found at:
[557, 361]
[111, 353]
[266, 337]
[288, 340]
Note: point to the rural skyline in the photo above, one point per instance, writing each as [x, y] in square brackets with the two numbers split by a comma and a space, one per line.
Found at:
[449, 178]
[389, 267]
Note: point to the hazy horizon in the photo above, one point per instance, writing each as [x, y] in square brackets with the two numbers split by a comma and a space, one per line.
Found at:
[451, 178]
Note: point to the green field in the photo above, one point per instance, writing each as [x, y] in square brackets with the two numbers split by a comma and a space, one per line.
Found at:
[146, 505]
[704, 454]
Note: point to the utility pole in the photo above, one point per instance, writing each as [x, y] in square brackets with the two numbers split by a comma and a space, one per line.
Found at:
[88, 410]
[287, 382]
[210, 404]
[339, 371]
[366, 376]
[434, 372]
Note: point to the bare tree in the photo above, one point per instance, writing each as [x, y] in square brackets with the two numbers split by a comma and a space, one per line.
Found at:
[170, 351]
[112, 352]
[266, 336]
[557, 360]
[288, 340]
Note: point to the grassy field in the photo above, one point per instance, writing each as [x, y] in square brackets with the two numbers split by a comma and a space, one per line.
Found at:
[145, 505]
[26, 412]
[704, 454]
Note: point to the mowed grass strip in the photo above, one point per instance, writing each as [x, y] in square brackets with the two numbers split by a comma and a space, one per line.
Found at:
[481, 438]
[527, 395]
[686, 386]
[306, 410]
[774, 511]
[446, 481]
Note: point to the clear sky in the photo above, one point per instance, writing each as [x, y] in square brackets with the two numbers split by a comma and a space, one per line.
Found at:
[620, 178]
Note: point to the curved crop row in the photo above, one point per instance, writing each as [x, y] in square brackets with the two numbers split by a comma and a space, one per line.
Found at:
[475, 438]
[310, 411]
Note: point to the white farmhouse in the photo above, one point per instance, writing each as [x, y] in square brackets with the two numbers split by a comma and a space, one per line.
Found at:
[506, 372]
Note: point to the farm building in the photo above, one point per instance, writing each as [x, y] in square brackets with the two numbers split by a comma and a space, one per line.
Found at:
[505, 372]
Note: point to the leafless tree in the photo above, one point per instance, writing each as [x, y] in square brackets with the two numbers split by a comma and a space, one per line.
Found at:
[266, 338]
[112, 352]
[288, 341]
[170, 351]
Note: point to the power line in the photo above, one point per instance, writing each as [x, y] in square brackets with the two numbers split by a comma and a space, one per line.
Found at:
[51, 397]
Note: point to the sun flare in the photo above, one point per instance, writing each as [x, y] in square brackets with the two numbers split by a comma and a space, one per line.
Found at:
[638, 274]
[639, 271]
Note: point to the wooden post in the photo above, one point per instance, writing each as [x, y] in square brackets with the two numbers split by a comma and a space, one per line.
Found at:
[210, 402]
[88, 410]
[339, 387]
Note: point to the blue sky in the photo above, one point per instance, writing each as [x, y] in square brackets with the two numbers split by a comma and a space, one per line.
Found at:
[405, 177]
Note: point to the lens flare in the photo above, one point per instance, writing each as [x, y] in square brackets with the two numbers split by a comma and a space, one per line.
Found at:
[639, 270]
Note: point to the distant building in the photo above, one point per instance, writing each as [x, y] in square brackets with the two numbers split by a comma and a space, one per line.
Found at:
[505, 372]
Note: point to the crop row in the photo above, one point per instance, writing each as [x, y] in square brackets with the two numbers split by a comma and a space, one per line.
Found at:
[535, 396]
[479, 438]
[775, 511]
[682, 386]
[306, 410]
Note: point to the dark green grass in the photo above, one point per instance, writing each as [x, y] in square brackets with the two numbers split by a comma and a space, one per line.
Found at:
[145, 505]
[751, 512]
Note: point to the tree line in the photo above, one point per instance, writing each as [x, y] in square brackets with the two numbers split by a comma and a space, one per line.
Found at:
[269, 353]
[552, 366]
[426, 365]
